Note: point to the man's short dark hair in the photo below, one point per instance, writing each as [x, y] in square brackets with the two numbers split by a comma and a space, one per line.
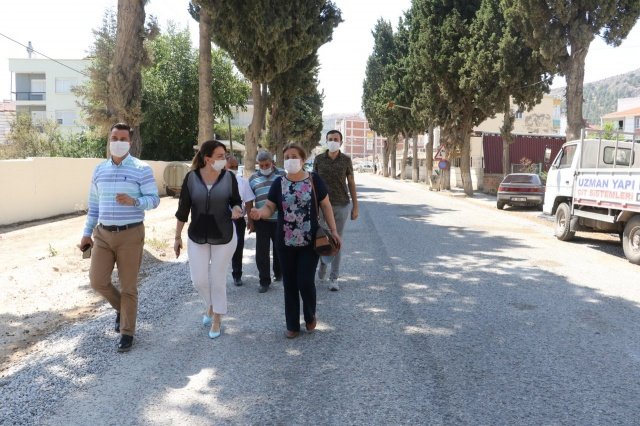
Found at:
[331, 132]
[122, 126]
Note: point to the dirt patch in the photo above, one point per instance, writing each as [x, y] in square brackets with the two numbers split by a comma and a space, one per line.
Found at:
[44, 280]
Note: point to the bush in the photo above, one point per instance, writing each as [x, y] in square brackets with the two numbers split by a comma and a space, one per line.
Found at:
[44, 139]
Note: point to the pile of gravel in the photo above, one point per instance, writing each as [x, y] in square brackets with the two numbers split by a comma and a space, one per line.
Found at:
[65, 360]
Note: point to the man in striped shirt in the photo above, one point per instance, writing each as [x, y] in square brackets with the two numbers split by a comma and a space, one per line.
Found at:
[260, 183]
[122, 188]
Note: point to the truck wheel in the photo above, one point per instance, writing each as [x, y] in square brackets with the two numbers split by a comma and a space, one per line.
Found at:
[631, 240]
[562, 229]
[500, 205]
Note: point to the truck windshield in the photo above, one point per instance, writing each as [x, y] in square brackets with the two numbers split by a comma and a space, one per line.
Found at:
[566, 156]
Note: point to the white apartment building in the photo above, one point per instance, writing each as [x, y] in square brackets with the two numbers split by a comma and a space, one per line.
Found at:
[42, 88]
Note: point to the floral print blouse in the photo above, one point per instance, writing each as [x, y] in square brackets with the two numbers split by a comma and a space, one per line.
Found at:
[297, 216]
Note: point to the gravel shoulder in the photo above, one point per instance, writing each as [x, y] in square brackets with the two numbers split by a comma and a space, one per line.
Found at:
[44, 281]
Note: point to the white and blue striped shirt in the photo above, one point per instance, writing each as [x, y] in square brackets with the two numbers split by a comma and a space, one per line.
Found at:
[132, 177]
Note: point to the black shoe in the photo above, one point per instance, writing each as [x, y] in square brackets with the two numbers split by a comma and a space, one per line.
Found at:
[237, 282]
[125, 343]
[263, 289]
[277, 278]
[117, 327]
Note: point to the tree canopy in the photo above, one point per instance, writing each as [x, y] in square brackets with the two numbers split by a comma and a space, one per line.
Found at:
[561, 32]
[266, 38]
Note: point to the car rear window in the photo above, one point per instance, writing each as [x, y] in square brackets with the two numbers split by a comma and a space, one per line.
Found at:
[533, 179]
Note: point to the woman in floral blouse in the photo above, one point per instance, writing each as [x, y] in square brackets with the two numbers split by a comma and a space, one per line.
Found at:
[293, 198]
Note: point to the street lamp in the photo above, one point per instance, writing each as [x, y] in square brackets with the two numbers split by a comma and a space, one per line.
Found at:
[392, 104]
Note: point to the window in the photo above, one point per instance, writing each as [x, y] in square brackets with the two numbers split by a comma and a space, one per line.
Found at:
[38, 90]
[65, 117]
[519, 114]
[620, 124]
[64, 85]
[565, 158]
[637, 123]
[622, 157]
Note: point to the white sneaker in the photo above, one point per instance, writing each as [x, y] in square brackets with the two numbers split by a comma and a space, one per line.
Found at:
[333, 285]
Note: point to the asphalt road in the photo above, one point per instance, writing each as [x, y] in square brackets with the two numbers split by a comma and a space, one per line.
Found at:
[450, 312]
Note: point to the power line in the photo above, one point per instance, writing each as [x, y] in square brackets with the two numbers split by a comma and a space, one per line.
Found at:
[42, 54]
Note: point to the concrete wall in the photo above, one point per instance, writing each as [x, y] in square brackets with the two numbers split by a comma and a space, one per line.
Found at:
[542, 119]
[41, 187]
[477, 177]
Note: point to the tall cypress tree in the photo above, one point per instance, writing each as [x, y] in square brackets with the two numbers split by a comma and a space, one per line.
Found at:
[561, 32]
[266, 38]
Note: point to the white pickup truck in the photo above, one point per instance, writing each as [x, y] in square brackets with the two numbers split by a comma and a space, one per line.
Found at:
[594, 185]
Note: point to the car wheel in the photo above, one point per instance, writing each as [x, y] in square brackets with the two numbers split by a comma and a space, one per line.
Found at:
[631, 240]
[562, 229]
[500, 205]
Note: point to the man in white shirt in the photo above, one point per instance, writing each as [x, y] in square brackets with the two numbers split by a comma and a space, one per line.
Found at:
[241, 224]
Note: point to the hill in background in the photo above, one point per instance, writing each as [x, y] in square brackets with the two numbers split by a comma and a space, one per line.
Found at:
[600, 97]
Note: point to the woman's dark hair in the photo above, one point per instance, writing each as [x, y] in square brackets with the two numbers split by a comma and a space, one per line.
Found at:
[206, 150]
[293, 145]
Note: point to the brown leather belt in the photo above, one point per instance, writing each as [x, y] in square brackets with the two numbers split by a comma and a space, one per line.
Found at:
[118, 228]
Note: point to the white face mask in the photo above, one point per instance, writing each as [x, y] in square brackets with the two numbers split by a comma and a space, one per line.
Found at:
[266, 172]
[333, 146]
[119, 148]
[218, 165]
[292, 165]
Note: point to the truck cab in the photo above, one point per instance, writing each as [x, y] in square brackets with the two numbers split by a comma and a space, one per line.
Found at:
[593, 185]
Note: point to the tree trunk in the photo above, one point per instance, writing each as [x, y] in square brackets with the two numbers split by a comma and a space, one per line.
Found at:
[276, 134]
[507, 136]
[465, 161]
[385, 157]
[415, 165]
[252, 136]
[446, 139]
[125, 78]
[205, 78]
[405, 155]
[392, 156]
[428, 167]
[574, 72]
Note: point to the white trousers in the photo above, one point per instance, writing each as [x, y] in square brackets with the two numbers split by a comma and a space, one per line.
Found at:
[208, 265]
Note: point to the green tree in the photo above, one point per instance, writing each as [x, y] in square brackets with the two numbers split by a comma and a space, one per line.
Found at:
[169, 124]
[376, 93]
[442, 91]
[295, 112]
[562, 31]
[124, 101]
[502, 70]
[44, 139]
[171, 92]
[266, 38]
[94, 92]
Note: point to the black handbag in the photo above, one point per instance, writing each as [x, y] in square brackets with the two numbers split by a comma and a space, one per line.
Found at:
[323, 243]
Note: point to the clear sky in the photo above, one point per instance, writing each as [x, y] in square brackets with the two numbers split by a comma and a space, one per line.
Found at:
[62, 29]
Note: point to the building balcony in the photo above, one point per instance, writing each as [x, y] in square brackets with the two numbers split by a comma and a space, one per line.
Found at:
[30, 96]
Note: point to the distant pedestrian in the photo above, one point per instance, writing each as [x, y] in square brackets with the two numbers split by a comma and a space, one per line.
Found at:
[210, 194]
[246, 194]
[336, 169]
[293, 198]
[122, 188]
[265, 228]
